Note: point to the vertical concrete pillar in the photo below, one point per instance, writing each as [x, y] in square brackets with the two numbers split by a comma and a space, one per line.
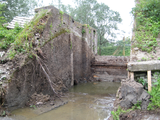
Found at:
[85, 46]
[95, 41]
[72, 65]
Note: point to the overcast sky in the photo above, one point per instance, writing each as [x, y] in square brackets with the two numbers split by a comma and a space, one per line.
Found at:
[124, 7]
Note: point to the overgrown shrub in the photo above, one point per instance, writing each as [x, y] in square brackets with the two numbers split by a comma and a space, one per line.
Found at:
[155, 95]
[147, 15]
[118, 48]
[8, 36]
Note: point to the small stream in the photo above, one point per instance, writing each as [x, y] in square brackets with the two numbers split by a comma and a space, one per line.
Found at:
[88, 101]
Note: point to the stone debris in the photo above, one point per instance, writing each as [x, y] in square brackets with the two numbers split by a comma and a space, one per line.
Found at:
[131, 93]
[39, 99]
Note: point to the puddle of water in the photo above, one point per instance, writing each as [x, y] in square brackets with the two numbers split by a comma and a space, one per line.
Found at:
[89, 101]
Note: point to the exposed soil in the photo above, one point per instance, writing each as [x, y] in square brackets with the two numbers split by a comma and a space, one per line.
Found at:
[141, 115]
[47, 104]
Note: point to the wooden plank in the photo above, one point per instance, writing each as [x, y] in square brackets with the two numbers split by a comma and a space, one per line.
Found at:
[132, 76]
[128, 74]
[149, 81]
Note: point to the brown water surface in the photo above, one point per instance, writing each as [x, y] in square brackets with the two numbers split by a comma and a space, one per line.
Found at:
[88, 101]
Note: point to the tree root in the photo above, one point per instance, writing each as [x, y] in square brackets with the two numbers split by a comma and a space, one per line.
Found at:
[48, 77]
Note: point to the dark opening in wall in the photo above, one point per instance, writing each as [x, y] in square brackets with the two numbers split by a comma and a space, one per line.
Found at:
[94, 31]
[72, 20]
[75, 82]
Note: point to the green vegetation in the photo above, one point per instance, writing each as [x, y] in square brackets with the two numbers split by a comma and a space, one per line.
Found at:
[144, 59]
[83, 31]
[61, 12]
[155, 92]
[155, 95]
[61, 17]
[117, 48]
[155, 99]
[3, 113]
[8, 36]
[144, 83]
[2, 18]
[21, 39]
[147, 24]
[120, 111]
[71, 45]
[24, 8]
[33, 106]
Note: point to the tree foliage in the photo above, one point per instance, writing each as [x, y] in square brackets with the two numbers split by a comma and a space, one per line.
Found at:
[97, 15]
[117, 48]
[18, 8]
[2, 18]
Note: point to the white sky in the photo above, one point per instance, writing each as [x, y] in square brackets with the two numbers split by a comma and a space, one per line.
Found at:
[124, 7]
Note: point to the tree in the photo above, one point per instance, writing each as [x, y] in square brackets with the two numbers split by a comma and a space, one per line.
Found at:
[99, 16]
[18, 8]
[2, 18]
[85, 11]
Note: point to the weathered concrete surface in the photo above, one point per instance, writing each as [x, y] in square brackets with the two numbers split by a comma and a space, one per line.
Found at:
[131, 93]
[144, 65]
[62, 50]
[109, 68]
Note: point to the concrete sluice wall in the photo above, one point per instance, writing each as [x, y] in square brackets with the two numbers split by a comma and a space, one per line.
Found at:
[110, 68]
[63, 51]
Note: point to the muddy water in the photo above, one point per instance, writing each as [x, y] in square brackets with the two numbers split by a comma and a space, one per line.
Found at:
[89, 101]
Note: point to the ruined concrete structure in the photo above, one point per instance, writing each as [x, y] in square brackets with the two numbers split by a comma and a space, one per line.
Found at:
[142, 66]
[110, 68]
[64, 52]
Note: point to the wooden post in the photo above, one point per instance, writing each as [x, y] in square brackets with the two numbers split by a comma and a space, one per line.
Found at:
[149, 80]
[132, 76]
[128, 74]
